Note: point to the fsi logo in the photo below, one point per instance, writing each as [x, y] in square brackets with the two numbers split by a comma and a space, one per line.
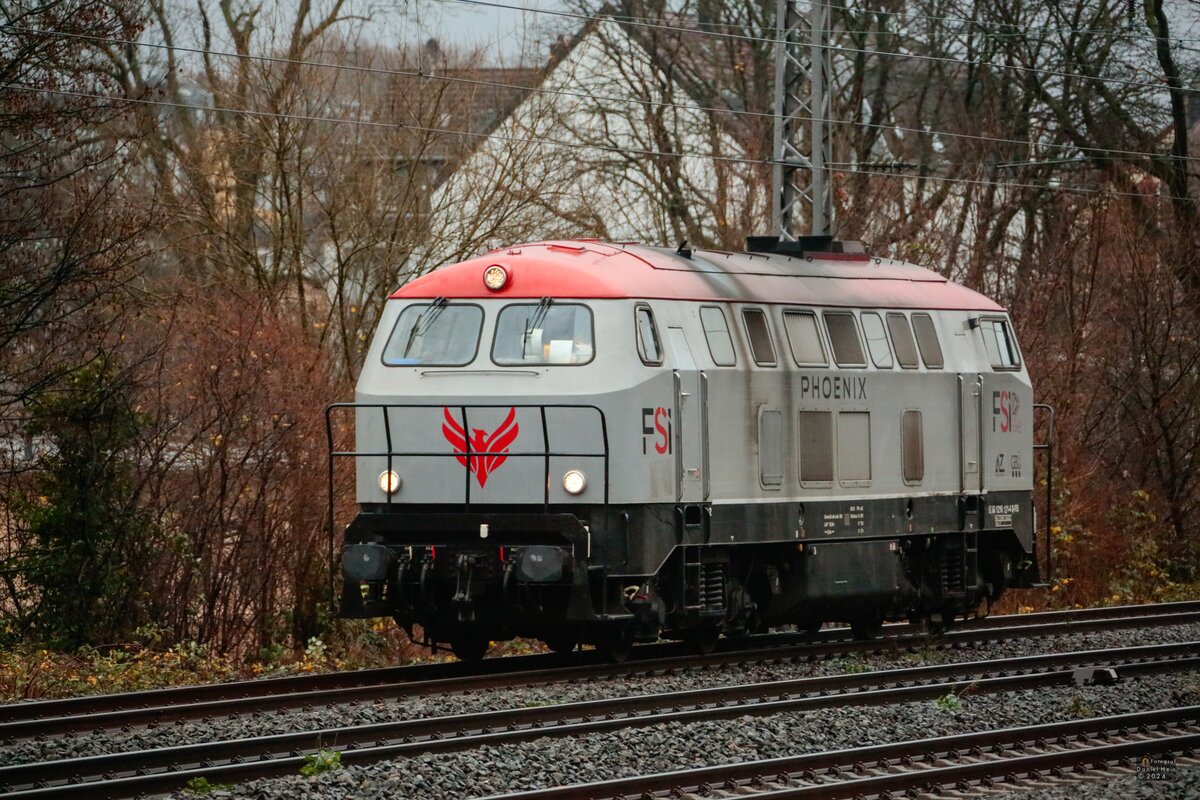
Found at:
[656, 428]
[1005, 406]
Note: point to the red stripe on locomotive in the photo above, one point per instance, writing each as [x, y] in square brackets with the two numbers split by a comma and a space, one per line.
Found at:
[591, 270]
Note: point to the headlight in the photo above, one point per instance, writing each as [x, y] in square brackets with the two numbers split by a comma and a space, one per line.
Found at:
[574, 482]
[389, 482]
[495, 277]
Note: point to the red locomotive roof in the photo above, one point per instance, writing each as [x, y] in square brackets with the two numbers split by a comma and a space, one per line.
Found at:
[595, 270]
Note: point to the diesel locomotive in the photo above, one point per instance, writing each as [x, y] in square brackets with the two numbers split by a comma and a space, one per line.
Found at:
[594, 443]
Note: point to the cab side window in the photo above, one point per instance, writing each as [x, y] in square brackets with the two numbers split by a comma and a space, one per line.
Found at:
[649, 347]
[1000, 344]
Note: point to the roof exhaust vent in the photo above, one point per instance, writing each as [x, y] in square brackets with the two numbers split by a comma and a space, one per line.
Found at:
[803, 246]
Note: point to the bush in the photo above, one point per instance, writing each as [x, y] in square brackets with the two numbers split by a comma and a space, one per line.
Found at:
[27, 673]
[89, 543]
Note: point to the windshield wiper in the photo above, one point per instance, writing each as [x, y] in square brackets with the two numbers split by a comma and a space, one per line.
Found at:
[535, 320]
[423, 323]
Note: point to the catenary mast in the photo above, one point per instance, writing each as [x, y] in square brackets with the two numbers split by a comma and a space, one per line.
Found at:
[802, 94]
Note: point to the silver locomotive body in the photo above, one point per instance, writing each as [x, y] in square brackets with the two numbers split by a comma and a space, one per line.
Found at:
[622, 442]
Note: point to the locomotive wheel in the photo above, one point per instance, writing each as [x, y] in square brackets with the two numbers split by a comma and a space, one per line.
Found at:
[616, 652]
[703, 640]
[616, 645]
[469, 646]
[866, 628]
[561, 643]
[938, 623]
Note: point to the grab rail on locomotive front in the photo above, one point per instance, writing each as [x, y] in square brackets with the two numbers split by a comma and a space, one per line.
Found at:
[390, 452]
[1048, 446]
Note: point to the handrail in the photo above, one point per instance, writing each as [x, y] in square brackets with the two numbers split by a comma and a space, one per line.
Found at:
[390, 451]
[1048, 446]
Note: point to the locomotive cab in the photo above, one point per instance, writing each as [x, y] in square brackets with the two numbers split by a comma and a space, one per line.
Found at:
[483, 461]
[592, 443]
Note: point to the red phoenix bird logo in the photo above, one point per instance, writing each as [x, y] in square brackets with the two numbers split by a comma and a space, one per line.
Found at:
[492, 444]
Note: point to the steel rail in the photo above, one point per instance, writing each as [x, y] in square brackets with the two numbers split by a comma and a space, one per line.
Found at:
[292, 684]
[369, 692]
[1007, 748]
[283, 753]
[960, 775]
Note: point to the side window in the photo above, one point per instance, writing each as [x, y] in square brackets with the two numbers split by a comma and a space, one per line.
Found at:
[912, 447]
[647, 337]
[804, 338]
[877, 341]
[816, 448]
[843, 337]
[854, 447]
[716, 333]
[927, 341]
[1000, 344]
[902, 338]
[770, 447]
[759, 333]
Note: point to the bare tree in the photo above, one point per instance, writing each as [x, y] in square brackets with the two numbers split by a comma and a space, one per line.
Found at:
[233, 465]
[611, 145]
[69, 236]
[371, 187]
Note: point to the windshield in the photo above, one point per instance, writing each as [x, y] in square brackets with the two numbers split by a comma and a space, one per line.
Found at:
[543, 333]
[435, 334]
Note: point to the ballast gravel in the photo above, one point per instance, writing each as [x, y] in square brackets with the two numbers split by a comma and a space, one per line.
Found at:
[1179, 782]
[669, 747]
[439, 705]
[550, 761]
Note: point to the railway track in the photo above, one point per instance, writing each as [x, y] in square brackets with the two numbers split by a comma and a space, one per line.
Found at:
[150, 771]
[167, 706]
[962, 763]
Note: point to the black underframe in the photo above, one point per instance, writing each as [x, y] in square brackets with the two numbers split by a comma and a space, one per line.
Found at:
[632, 544]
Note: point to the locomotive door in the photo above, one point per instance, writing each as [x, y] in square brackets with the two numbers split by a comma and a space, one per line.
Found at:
[970, 426]
[691, 426]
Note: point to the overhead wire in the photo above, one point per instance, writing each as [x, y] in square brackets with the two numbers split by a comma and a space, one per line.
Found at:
[626, 151]
[421, 74]
[982, 24]
[395, 126]
[831, 47]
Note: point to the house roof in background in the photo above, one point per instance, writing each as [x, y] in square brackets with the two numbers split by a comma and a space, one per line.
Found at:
[444, 100]
[468, 102]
